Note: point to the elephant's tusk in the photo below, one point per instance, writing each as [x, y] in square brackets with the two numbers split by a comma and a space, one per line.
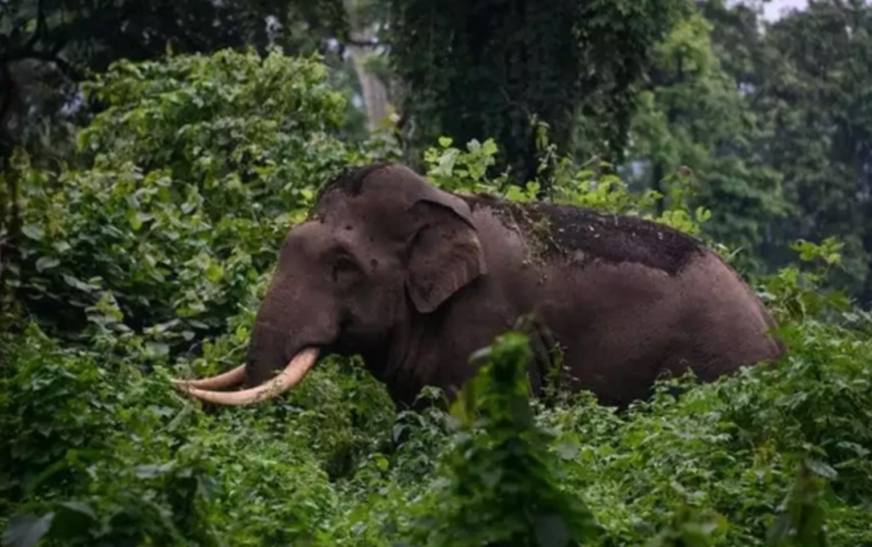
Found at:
[293, 374]
[226, 379]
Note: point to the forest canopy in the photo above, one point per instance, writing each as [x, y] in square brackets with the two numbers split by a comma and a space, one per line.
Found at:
[147, 186]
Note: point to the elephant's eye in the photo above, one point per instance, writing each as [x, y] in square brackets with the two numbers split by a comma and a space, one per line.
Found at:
[344, 267]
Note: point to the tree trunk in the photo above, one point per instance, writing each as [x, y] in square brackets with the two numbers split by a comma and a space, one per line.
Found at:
[374, 92]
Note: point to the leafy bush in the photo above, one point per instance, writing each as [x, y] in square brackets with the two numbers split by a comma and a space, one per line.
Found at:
[503, 486]
[106, 455]
[159, 236]
[182, 188]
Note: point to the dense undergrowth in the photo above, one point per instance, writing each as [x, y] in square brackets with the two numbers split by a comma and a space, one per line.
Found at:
[145, 255]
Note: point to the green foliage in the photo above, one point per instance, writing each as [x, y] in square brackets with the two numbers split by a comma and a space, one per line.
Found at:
[203, 163]
[94, 451]
[796, 293]
[692, 122]
[814, 99]
[105, 454]
[188, 180]
[502, 485]
[803, 83]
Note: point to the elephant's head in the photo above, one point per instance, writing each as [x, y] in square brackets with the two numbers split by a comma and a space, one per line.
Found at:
[379, 245]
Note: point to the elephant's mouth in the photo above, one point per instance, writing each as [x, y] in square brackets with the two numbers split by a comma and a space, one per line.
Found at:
[205, 389]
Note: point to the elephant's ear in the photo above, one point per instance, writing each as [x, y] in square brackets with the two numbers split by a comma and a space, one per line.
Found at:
[445, 253]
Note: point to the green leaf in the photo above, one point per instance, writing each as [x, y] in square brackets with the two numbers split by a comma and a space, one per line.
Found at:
[821, 469]
[153, 470]
[382, 463]
[81, 508]
[46, 263]
[214, 273]
[34, 232]
[78, 284]
[567, 450]
[135, 222]
[26, 530]
[156, 349]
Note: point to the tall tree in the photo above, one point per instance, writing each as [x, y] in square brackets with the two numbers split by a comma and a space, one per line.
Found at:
[365, 19]
[815, 94]
[483, 68]
[694, 118]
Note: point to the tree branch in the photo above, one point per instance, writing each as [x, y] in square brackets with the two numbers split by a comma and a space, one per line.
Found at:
[11, 222]
[9, 86]
[372, 42]
[30, 51]
[348, 38]
[40, 26]
[63, 66]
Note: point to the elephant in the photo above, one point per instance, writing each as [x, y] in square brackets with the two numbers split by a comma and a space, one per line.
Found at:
[415, 279]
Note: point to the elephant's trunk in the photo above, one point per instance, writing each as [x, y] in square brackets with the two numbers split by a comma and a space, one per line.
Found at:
[293, 374]
[290, 330]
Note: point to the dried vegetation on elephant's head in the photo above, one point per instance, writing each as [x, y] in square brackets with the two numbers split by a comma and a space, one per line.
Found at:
[349, 180]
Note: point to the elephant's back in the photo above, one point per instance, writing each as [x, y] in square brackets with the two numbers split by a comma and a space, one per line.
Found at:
[586, 236]
[723, 322]
[628, 298]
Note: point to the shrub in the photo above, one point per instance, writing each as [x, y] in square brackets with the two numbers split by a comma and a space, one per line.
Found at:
[151, 248]
[182, 189]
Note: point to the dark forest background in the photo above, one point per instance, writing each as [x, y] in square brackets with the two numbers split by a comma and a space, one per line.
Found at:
[772, 120]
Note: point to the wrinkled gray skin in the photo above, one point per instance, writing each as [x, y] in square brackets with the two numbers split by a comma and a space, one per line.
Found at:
[415, 279]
